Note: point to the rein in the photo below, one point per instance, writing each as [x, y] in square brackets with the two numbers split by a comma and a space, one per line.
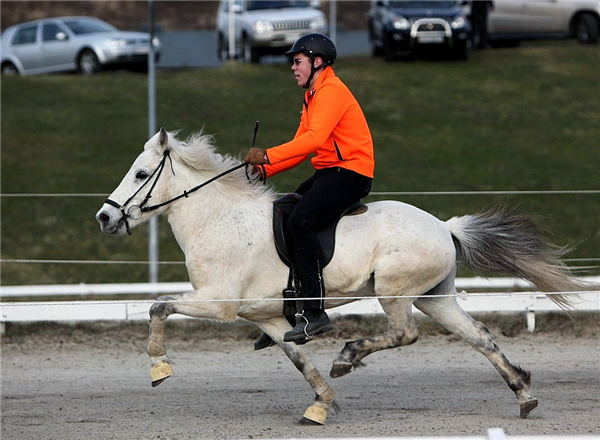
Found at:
[135, 211]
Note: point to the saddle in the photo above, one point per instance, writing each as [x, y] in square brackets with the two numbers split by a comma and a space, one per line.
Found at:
[281, 211]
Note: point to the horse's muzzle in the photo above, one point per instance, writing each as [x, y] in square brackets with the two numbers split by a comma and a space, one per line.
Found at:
[110, 221]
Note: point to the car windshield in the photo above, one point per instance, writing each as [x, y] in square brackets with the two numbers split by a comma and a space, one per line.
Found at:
[422, 4]
[84, 26]
[256, 5]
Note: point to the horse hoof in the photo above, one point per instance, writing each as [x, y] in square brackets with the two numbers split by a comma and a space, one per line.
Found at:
[340, 369]
[305, 421]
[159, 372]
[314, 415]
[528, 407]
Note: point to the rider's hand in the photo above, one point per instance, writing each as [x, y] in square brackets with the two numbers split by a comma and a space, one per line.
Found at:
[256, 156]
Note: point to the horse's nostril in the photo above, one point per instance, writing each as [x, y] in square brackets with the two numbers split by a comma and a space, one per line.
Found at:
[104, 217]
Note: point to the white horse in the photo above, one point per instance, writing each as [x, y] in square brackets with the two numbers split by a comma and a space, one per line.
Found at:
[395, 252]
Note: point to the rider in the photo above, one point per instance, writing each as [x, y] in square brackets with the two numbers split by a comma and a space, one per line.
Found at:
[334, 129]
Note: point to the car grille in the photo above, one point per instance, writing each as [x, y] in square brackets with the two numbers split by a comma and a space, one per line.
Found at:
[430, 27]
[291, 25]
[137, 41]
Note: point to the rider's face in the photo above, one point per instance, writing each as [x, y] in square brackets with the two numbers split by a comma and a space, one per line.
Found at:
[301, 67]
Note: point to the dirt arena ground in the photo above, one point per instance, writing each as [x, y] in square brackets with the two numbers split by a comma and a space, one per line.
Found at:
[92, 382]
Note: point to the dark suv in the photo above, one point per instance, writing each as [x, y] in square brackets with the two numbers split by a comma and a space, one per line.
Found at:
[404, 26]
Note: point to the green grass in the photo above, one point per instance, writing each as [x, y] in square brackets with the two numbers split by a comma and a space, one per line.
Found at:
[514, 119]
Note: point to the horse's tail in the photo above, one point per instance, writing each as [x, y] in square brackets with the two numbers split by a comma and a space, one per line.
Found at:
[512, 245]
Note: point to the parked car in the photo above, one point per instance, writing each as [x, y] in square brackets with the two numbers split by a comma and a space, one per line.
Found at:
[404, 26]
[265, 27]
[82, 44]
[511, 21]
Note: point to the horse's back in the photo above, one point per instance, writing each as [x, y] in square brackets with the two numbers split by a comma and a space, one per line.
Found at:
[393, 241]
[407, 223]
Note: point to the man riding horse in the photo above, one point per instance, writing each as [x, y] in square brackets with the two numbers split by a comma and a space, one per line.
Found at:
[333, 128]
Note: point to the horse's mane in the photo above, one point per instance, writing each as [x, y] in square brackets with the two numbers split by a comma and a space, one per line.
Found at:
[198, 152]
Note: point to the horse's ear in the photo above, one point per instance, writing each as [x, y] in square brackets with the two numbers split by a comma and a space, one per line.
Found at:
[163, 139]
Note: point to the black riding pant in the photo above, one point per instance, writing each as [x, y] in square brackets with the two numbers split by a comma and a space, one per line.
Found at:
[325, 197]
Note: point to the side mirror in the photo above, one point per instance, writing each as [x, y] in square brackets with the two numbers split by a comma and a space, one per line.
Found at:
[61, 36]
[237, 9]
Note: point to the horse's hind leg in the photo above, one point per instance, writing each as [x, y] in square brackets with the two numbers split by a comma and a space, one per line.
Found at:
[448, 313]
[402, 330]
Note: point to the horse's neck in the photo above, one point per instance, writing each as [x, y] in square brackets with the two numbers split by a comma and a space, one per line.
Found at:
[208, 210]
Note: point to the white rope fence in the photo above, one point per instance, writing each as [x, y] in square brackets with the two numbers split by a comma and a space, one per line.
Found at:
[484, 300]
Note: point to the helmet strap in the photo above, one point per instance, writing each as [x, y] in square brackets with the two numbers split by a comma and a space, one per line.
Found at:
[313, 70]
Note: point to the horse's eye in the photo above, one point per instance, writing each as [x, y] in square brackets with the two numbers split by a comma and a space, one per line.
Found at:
[141, 175]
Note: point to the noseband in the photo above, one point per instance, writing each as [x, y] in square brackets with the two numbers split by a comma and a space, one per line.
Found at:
[134, 212]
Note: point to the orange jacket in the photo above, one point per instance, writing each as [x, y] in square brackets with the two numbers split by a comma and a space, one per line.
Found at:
[333, 127]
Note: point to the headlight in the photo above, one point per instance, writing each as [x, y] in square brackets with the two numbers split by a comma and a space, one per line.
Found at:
[457, 23]
[263, 26]
[118, 42]
[317, 23]
[400, 23]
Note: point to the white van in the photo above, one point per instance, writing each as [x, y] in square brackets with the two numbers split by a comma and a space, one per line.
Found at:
[265, 27]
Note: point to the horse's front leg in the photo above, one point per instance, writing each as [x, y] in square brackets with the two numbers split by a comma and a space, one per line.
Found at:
[186, 304]
[324, 394]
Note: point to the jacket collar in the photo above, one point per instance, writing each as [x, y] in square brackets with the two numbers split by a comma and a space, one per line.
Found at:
[327, 73]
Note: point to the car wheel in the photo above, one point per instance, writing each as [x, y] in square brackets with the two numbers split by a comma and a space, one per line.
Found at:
[88, 62]
[222, 49]
[9, 69]
[388, 51]
[498, 44]
[375, 49]
[461, 50]
[586, 29]
[249, 53]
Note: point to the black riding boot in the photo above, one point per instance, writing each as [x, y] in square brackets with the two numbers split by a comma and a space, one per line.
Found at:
[312, 322]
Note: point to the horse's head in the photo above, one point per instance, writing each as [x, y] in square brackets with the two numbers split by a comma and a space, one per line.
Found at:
[127, 206]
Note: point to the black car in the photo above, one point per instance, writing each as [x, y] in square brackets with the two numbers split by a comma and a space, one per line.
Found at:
[404, 26]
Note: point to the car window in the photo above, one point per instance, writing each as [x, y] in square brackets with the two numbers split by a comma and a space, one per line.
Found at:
[26, 35]
[260, 4]
[50, 32]
[83, 26]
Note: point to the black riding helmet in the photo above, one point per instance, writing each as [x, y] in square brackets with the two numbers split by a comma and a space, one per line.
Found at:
[314, 45]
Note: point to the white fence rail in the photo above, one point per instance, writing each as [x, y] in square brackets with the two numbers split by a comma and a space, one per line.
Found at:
[527, 303]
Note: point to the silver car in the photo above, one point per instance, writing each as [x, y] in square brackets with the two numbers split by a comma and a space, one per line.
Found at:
[62, 44]
[511, 21]
[265, 27]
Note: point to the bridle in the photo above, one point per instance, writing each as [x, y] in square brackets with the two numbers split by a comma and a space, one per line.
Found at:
[134, 212]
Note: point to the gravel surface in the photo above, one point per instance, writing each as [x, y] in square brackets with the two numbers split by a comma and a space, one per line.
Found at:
[65, 383]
